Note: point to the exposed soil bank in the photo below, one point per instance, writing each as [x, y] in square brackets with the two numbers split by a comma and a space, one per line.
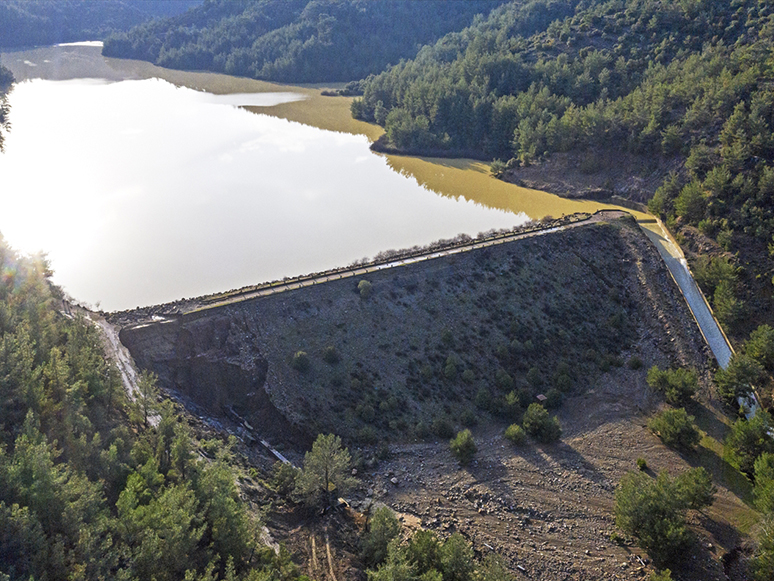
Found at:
[595, 175]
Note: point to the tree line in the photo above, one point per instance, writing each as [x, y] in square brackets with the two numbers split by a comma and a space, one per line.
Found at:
[684, 83]
[93, 485]
[25, 23]
[295, 40]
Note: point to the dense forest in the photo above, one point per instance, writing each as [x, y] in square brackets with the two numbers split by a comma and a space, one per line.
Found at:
[37, 22]
[687, 81]
[295, 40]
[91, 485]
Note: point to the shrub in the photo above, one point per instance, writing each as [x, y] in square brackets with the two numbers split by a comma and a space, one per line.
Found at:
[450, 369]
[534, 377]
[760, 347]
[654, 512]
[457, 559]
[763, 563]
[676, 429]
[678, 385]
[503, 380]
[764, 482]
[382, 528]
[423, 550]
[468, 376]
[300, 361]
[538, 424]
[442, 428]
[468, 418]
[748, 440]
[515, 434]
[364, 287]
[497, 168]
[695, 488]
[553, 398]
[284, 478]
[738, 378]
[509, 406]
[368, 435]
[483, 399]
[463, 447]
[331, 355]
[642, 464]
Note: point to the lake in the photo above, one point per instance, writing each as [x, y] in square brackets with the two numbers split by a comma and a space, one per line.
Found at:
[145, 185]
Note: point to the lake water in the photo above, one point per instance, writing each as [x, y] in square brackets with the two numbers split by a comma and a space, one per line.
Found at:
[144, 185]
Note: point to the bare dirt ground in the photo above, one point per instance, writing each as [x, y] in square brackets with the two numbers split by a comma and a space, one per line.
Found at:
[591, 174]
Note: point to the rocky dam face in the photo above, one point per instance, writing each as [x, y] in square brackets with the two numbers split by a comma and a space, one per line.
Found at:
[434, 346]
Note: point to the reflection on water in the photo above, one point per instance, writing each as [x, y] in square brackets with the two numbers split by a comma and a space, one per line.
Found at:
[146, 185]
[141, 192]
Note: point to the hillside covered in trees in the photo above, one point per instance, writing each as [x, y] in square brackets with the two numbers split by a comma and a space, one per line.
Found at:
[36, 22]
[685, 84]
[295, 40]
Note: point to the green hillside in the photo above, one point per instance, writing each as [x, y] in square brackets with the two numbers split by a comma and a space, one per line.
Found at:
[296, 40]
[38, 22]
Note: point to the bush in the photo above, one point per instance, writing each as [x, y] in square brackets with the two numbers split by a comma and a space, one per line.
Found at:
[331, 355]
[696, 489]
[457, 559]
[503, 380]
[553, 399]
[764, 483]
[382, 528]
[450, 369]
[468, 376]
[497, 168]
[738, 378]
[634, 363]
[483, 399]
[678, 385]
[510, 406]
[760, 347]
[442, 428]
[515, 434]
[748, 440]
[642, 464]
[468, 419]
[538, 424]
[463, 447]
[763, 563]
[654, 512]
[676, 429]
[300, 361]
[364, 287]
[284, 478]
[423, 550]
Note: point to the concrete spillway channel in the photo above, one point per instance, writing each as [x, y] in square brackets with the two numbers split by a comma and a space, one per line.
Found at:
[674, 259]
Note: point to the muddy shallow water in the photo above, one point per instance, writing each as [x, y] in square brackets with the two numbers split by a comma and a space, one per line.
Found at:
[144, 185]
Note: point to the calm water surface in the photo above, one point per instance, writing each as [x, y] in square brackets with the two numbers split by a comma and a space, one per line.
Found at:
[144, 185]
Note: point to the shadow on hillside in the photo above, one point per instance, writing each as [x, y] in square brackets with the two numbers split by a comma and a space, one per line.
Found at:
[570, 459]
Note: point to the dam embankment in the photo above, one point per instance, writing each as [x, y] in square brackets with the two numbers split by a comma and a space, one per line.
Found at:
[457, 338]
